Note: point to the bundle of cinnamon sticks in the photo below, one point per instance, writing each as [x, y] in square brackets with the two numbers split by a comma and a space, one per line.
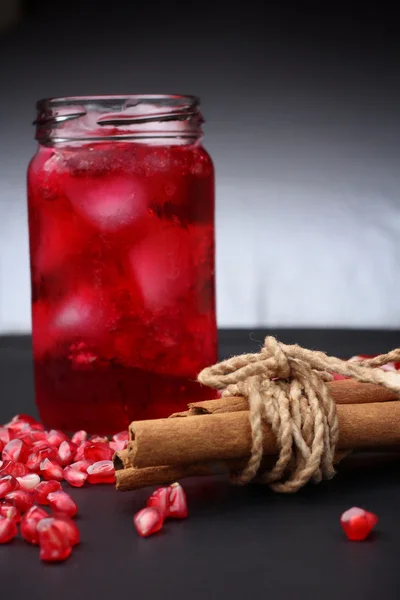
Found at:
[214, 437]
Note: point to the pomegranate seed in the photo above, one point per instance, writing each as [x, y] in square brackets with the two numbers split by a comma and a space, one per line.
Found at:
[160, 499]
[17, 469]
[74, 477]
[4, 435]
[15, 450]
[51, 470]
[20, 499]
[80, 453]
[79, 437]
[8, 484]
[8, 511]
[23, 418]
[55, 437]
[147, 521]
[18, 428]
[5, 465]
[40, 445]
[103, 439]
[1, 446]
[32, 436]
[66, 525]
[29, 524]
[357, 523]
[177, 506]
[28, 482]
[81, 465]
[8, 530]
[122, 436]
[44, 489]
[61, 502]
[66, 452]
[98, 451]
[54, 544]
[37, 457]
[101, 471]
[117, 446]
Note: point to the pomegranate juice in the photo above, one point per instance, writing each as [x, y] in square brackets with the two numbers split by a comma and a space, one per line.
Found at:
[122, 264]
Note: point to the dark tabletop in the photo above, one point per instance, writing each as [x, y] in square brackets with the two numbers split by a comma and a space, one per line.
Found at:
[238, 542]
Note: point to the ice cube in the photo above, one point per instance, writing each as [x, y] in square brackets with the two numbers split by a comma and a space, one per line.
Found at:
[162, 265]
[109, 203]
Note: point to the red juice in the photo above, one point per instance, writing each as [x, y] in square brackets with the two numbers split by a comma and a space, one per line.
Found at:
[122, 265]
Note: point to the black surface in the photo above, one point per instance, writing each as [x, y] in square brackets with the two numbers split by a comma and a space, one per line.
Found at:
[238, 542]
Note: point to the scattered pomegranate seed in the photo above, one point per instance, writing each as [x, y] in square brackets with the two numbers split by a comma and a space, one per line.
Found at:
[56, 437]
[81, 465]
[44, 489]
[66, 525]
[29, 524]
[66, 452]
[32, 436]
[147, 521]
[54, 543]
[28, 482]
[160, 499]
[101, 471]
[177, 506]
[15, 450]
[23, 418]
[5, 465]
[8, 530]
[17, 469]
[8, 484]
[1, 446]
[98, 451]
[118, 446]
[51, 470]
[80, 453]
[74, 477]
[122, 436]
[79, 437]
[4, 435]
[61, 502]
[36, 458]
[358, 523]
[8, 511]
[20, 499]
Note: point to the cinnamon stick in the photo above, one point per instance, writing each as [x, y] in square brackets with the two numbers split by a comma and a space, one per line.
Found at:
[225, 436]
[344, 391]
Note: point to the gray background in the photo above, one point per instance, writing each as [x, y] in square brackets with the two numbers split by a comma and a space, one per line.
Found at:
[302, 111]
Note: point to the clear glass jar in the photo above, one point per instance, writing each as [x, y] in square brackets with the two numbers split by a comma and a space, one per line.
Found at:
[121, 221]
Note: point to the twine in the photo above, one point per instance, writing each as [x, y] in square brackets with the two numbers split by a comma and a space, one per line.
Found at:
[286, 386]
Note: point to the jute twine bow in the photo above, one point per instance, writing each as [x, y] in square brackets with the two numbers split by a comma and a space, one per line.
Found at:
[286, 386]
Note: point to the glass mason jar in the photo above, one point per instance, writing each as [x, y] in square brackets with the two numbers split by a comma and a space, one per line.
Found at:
[121, 221]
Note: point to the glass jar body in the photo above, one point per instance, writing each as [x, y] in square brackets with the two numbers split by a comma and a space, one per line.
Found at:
[122, 267]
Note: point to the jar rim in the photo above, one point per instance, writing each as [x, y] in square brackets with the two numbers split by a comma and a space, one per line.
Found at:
[53, 101]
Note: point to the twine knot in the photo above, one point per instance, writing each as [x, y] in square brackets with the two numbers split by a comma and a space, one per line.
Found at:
[286, 387]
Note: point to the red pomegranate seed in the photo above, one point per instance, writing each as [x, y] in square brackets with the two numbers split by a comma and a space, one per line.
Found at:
[122, 436]
[177, 506]
[101, 471]
[32, 436]
[98, 451]
[61, 502]
[74, 477]
[37, 457]
[4, 435]
[8, 484]
[66, 452]
[23, 418]
[55, 437]
[147, 521]
[20, 499]
[44, 489]
[358, 523]
[8, 511]
[8, 530]
[66, 525]
[117, 446]
[5, 465]
[160, 499]
[54, 544]
[17, 469]
[28, 482]
[29, 524]
[80, 453]
[81, 465]
[103, 439]
[79, 437]
[51, 470]
[16, 450]
[1, 446]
